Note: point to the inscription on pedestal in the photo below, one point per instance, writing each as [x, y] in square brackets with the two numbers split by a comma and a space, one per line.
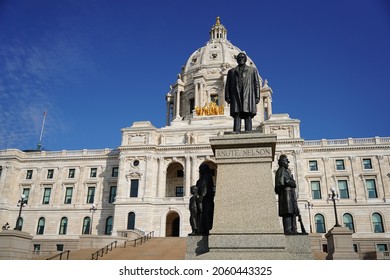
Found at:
[244, 153]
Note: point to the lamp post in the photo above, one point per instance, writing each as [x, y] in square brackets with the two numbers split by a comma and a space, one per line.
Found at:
[334, 196]
[309, 206]
[92, 210]
[21, 203]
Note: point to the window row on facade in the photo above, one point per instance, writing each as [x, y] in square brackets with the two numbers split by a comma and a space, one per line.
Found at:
[68, 196]
[344, 188]
[71, 173]
[63, 225]
[376, 223]
[91, 193]
[340, 165]
[86, 226]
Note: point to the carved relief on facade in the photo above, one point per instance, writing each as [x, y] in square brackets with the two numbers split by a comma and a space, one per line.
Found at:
[190, 138]
[138, 138]
[133, 174]
[282, 131]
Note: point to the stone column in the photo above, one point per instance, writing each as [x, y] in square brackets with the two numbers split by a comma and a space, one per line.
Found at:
[194, 174]
[177, 107]
[269, 106]
[161, 178]
[187, 175]
[197, 103]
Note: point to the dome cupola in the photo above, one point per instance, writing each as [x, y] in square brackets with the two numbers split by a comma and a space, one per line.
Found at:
[202, 79]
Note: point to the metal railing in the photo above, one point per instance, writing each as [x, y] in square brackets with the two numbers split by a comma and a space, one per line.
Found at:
[60, 255]
[104, 250]
[140, 240]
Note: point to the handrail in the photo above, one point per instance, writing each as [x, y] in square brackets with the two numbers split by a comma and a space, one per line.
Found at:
[60, 255]
[101, 251]
[142, 239]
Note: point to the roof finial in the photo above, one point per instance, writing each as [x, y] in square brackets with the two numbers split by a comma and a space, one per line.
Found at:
[218, 31]
[218, 22]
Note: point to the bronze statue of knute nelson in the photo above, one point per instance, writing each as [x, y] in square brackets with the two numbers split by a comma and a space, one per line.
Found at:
[242, 92]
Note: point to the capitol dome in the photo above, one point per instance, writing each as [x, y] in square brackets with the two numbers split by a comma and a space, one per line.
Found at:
[202, 79]
[218, 53]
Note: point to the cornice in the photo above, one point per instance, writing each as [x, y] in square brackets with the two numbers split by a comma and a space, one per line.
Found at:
[64, 158]
[344, 148]
[156, 148]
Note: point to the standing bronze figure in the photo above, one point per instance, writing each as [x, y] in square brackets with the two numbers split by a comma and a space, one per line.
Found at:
[205, 186]
[242, 92]
[194, 210]
[285, 188]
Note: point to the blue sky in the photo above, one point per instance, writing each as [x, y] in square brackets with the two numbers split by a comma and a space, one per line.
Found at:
[98, 66]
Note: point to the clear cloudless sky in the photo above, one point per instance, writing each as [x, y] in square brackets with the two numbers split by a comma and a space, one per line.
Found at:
[97, 66]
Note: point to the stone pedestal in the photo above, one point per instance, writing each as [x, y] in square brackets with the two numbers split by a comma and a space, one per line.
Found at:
[340, 245]
[196, 245]
[246, 224]
[15, 245]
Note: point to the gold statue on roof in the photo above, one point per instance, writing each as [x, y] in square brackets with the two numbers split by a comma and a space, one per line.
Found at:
[210, 109]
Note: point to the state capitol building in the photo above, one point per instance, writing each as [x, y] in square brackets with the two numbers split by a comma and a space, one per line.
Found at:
[143, 185]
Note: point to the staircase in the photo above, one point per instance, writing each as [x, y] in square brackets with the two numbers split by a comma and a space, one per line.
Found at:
[157, 248]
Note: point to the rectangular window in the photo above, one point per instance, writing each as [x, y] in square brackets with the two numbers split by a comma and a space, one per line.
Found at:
[93, 173]
[29, 174]
[1, 170]
[381, 247]
[340, 164]
[179, 173]
[371, 188]
[26, 193]
[134, 188]
[68, 195]
[343, 188]
[179, 191]
[46, 196]
[315, 189]
[367, 164]
[50, 173]
[91, 195]
[313, 166]
[114, 172]
[71, 173]
[60, 247]
[37, 248]
[111, 199]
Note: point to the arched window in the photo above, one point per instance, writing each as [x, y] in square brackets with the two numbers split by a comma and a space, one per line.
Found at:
[63, 225]
[41, 225]
[86, 225]
[108, 228]
[348, 221]
[131, 220]
[320, 223]
[377, 223]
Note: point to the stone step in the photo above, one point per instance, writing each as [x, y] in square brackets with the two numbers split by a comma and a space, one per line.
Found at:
[158, 248]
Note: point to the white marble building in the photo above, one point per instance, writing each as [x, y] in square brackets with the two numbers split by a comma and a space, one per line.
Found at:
[145, 183]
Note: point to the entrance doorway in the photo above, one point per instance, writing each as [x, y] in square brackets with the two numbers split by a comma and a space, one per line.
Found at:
[172, 224]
